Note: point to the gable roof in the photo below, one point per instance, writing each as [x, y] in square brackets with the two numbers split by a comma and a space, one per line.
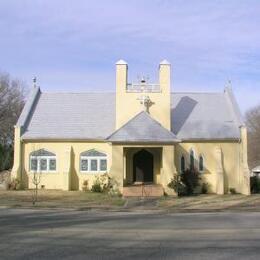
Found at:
[91, 116]
[204, 116]
[71, 116]
[142, 128]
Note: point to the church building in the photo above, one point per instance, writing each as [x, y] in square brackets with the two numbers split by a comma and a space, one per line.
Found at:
[141, 134]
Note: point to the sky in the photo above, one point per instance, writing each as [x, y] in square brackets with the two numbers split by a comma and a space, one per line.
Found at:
[72, 46]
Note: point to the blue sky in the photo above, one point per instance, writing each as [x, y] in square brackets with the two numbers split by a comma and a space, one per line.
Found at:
[73, 45]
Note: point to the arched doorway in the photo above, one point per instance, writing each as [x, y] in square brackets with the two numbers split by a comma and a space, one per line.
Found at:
[143, 166]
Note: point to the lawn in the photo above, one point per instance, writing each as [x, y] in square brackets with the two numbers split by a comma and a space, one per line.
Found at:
[86, 200]
[60, 199]
[212, 202]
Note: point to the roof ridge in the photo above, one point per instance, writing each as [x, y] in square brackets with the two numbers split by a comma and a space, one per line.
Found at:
[125, 126]
[84, 92]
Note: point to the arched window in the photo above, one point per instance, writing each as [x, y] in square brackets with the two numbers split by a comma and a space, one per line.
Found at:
[93, 161]
[183, 166]
[192, 159]
[201, 163]
[42, 161]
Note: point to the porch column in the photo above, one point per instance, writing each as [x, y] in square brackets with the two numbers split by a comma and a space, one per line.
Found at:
[168, 167]
[117, 166]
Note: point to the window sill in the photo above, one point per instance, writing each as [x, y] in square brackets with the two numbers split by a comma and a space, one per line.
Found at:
[92, 172]
[44, 172]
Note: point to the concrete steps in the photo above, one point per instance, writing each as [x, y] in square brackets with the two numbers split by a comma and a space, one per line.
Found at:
[146, 190]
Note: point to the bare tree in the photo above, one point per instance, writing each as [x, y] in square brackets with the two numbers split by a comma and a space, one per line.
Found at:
[12, 96]
[36, 180]
[253, 125]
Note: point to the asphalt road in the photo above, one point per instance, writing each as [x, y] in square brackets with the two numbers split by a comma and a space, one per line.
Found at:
[60, 234]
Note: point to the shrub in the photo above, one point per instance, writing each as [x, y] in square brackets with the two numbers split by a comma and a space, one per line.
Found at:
[85, 185]
[185, 183]
[14, 184]
[205, 188]
[96, 187]
[190, 178]
[105, 183]
[255, 184]
[232, 191]
[177, 185]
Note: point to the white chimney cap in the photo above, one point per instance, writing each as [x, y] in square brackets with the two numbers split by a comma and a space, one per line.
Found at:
[121, 62]
[165, 62]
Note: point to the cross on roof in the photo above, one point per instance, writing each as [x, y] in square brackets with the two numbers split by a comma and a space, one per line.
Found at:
[145, 101]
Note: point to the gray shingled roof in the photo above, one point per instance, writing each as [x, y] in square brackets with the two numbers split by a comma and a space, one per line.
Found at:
[72, 116]
[142, 128]
[92, 116]
[204, 116]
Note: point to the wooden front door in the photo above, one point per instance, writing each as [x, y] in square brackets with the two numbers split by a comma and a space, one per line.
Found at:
[143, 166]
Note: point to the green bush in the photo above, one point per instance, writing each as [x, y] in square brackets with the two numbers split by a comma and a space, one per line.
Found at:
[232, 191]
[190, 178]
[177, 185]
[96, 187]
[205, 187]
[105, 183]
[255, 184]
[185, 183]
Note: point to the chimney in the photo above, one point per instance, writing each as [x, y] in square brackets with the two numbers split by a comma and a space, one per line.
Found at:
[165, 76]
[121, 76]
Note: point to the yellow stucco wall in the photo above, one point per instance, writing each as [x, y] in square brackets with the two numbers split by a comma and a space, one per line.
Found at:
[231, 161]
[128, 105]
[68, 159]
[69, 177]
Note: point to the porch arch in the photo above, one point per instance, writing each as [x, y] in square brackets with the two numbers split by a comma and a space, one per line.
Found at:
[143, 166]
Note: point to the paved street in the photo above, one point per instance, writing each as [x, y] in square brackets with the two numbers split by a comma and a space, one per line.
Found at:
[53, 234]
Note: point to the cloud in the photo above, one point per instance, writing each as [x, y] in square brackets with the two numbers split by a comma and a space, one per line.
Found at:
[208, 42]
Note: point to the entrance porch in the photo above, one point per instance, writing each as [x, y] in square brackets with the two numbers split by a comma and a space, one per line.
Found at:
[143, 170]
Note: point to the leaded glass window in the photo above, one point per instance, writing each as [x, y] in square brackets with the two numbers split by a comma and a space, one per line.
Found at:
[52, 164]
[84, 165]
[201, 164]
[103, 164]
[34, 163]
[43, 164]
[192, 160]
[42, 161]
[182, 164]
[93, 164]
[93, 161]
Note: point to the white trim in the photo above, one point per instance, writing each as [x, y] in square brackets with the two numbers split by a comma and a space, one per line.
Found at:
[38, 158]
